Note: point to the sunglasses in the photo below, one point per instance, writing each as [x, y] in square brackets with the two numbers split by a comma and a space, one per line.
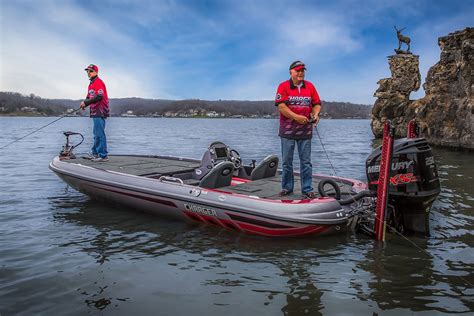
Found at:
[90, 71]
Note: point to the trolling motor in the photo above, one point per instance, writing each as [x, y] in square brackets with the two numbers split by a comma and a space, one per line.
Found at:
[66, 152]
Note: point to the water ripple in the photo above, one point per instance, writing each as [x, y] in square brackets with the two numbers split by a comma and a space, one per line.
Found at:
[60, 250]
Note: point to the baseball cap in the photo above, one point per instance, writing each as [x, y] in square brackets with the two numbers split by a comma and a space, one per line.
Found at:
[92, 67]
[297, 65]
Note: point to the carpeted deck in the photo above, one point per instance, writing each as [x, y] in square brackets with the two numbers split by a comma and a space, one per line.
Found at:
[139, 165]
[155, 167]
[270, 188]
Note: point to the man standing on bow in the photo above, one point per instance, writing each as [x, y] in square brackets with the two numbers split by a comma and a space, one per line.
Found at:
[299, 106]
[98, 101]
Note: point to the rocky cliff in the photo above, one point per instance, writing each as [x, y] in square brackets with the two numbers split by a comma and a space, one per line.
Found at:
[445, 114]
[393, 94]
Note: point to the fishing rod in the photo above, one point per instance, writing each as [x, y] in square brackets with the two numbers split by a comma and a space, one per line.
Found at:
[61, 117]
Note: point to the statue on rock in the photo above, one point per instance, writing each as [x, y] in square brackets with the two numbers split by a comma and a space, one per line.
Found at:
[393, 94]
[445, 114]
[402, 39]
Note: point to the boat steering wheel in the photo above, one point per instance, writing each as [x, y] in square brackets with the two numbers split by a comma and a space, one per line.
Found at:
[234, 157]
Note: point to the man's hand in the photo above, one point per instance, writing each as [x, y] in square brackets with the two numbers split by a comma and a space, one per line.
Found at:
[314, 119]
[301, 119]
[83, 105]
[285, 110]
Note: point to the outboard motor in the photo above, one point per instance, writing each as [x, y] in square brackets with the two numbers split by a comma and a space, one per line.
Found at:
[413, 182]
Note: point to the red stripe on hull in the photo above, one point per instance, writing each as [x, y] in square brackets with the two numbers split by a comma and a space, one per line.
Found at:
[286, 232]
[289, 231]
[259, 230]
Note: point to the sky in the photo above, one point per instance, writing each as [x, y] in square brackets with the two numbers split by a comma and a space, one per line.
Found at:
[211, 50]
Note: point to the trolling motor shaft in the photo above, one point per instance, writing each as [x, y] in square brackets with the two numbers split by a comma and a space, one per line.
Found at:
[66, 152]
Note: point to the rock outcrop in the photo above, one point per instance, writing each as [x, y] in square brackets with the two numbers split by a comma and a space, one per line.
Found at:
[445, 114]
[393, 94]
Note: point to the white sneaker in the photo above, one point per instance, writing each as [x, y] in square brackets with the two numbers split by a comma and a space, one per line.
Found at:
[91, 156]
[100, 159]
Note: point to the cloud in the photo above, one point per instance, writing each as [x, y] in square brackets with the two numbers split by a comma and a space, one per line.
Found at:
[315, 33]
[45, 51]
[315, 38]
[213, 49]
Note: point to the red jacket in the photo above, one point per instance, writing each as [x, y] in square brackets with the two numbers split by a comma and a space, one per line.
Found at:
[301, 101]
[97, 98]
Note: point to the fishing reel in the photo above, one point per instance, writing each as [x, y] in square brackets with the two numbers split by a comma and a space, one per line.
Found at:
[66, 152]
[313, 119]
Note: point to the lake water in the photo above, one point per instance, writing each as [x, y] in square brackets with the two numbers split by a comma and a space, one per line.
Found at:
[63, 253]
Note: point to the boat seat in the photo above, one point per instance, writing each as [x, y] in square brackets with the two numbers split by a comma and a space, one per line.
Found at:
[219, 176]
[266, 168]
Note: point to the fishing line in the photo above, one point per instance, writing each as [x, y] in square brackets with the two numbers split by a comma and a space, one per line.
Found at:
[18, 139]
[430, 255]
[327, 156]
[325, 151]
[385, 222]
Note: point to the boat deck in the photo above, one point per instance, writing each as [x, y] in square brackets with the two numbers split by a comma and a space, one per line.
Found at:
[140, 165]
[270, 188]
[154, 167]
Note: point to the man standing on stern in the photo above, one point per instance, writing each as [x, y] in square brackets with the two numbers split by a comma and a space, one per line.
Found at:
[99, 110]
[299, 106]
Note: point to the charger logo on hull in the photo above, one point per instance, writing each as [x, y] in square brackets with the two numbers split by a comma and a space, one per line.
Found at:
[200, 210]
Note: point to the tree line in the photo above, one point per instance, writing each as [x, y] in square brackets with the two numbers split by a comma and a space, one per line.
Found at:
[11, 103]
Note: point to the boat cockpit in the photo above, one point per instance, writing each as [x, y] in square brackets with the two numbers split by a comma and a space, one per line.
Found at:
[220, 164]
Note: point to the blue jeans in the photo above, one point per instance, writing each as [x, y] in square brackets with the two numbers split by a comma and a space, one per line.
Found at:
[100, 141]
[306, 168]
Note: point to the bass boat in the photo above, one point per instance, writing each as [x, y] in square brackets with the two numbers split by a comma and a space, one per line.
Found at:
[219, 190]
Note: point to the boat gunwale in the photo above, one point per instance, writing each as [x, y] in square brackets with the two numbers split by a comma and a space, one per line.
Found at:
[210, 203]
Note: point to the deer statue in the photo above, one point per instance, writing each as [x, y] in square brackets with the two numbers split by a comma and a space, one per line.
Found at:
[402, 39]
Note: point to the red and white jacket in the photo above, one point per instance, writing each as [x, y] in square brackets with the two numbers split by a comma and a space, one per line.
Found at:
[97, 98]
[300, 100]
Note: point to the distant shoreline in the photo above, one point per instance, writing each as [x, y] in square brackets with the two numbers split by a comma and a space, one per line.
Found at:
[200, 117]
[16, 104]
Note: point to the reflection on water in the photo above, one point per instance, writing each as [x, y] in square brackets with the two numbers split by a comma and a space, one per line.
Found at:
[396, 277]
[119, 236]
[62, 251]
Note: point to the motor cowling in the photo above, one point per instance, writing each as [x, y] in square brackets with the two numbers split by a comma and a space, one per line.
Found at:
[413, 183]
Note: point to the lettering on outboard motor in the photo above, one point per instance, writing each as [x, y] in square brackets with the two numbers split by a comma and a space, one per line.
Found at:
[395, 166]
[413, 183]
[429, 161]
[200, 210]
[403, 178]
